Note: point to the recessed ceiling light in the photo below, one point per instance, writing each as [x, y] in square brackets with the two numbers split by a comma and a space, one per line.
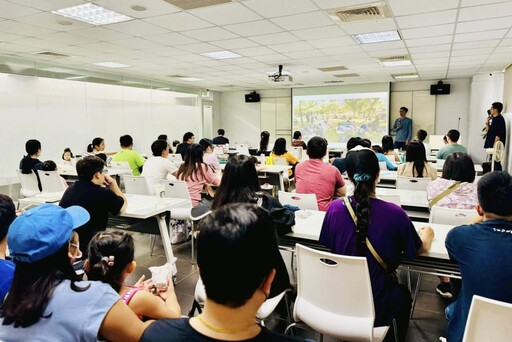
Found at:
[92, 14]
[221, 54]
[112, 65]
[76, 77]
[58, 70]
[405, 76]
[190, 79]
[396, 63]
[377, 37]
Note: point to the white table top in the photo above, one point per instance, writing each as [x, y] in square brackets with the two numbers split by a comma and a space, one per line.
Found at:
[309, 229]
[71, 171]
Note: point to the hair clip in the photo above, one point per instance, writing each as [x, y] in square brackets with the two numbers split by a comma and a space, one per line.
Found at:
[108, 260]
[362, 177]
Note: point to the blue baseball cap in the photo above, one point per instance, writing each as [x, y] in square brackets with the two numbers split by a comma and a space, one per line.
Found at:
[41, 231]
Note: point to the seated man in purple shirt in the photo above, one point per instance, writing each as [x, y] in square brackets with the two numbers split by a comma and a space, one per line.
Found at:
[388, 229]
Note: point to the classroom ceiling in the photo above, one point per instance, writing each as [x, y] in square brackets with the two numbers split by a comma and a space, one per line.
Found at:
[442, 38]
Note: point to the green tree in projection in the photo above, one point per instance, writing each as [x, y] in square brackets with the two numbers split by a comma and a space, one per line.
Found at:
[367, 116]
[305, 109]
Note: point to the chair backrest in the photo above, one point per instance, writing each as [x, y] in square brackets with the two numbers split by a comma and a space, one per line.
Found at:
[280, 161]
[29, 184]
[296, 151]
[436, 141]
[334, 294]
[303, 201]
[176, 157]
[120, 165]
[455, 217]
[50, 181]
[412, 183]
[488, 320]
[391, 198]
[135, 185]
[383, 166]
[177, 189]
[243, 149]
[440, 163]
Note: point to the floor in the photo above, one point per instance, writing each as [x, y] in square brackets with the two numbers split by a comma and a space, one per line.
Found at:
[427, 324]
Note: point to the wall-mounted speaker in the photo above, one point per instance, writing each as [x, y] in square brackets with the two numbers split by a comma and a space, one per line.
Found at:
[440, 89]
[252, 97]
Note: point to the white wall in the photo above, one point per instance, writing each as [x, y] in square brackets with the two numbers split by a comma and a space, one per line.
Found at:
[63, 113]
[485, 89]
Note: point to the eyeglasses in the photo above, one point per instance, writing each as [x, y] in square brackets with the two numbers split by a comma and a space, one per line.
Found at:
[104, 171]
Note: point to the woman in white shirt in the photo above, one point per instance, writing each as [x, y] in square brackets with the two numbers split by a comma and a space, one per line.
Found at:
[158, 168]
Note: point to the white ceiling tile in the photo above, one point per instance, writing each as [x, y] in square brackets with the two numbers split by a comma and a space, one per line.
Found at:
[328, 4]
[210, 34]
[290, 47]
[78, 51]
[336, 51]
[486, 11]
[11, 10]
[17, 48]
[369, 26]
[276, 38]
[48, 5]
[173, 38]
[387, 53]
[428, 61]
[303, 21]
[407, 7]
[429, 41]
[22, 29]
[490, 43]
[430, 31]
[198, 47]
[137, 28]
[477, 58]
[271, 58]
[193, 58]
[427, 19]
[383, 46]
[254, 51]
[168, 51]
[482, 25]
[66, 38]
[153, 7]
[100, 33]
[272, 8]
[504, 42]
[225, 14]
[430, 48]
[181, 21]
[466, 3]
[299, 55]
[237, 43]
[138, 43]
[5, 37]
[51, 21]
[479, 36]
[319, 32]
[469, 52]
[333, 42]
[39, 43]
[259, 27]
[240, 61]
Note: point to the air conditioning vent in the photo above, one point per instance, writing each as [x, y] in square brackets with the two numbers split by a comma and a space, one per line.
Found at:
[367, 12]
[346, 75]
[332, 82]
[51, 54]
[334, 68]
[393, 59]
[175, 76]
[191, 4]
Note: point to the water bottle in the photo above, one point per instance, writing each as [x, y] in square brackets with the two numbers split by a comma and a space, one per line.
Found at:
[262, 159]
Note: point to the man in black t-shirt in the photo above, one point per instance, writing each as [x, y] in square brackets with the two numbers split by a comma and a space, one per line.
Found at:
[98, 193]
[496, 129]
[236, 259]
[188, 139]
[221, 139]
[30, 162]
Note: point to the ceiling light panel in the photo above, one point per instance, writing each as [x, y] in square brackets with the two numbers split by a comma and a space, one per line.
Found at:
[405, 76]
[92, 14]
[377, 37]
[221, 54]
[113, 65]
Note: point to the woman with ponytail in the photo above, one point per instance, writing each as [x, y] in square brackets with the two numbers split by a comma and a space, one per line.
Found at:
[385, 227]
[111, 261]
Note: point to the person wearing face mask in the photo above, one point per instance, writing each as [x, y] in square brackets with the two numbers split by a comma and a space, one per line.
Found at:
[47, 299]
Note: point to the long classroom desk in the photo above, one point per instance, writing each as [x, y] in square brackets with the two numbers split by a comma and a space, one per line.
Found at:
[140, 207]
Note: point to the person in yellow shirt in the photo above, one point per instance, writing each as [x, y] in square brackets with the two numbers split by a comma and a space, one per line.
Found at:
[127, 154]
[280, 151]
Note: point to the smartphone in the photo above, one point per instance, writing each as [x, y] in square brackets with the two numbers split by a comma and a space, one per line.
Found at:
[489, 112]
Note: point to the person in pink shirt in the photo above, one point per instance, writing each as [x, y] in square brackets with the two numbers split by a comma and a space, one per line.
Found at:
[313, 176]
[196, 174]
[209, 158]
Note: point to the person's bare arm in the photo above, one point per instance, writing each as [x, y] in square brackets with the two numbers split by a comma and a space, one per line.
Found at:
[112, 184]
[340, 192]
[121, 324]
[426, 235]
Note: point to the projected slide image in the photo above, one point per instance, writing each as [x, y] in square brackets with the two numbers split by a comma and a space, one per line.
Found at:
[338, 117]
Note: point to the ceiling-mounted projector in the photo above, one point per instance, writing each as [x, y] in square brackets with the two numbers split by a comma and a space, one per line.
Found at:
[282, 79]
[279, 78]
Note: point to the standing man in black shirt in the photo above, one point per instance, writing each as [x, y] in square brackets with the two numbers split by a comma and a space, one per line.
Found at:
[496, 129]
[96, 192]
[221, 139]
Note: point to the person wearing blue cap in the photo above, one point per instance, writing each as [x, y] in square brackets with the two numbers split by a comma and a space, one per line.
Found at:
[7, 215]
[47, 301]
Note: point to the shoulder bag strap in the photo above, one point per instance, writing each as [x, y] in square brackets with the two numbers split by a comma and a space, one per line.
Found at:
[443, 194]
[368, 243]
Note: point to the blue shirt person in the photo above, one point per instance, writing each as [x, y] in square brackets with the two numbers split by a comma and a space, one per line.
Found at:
[403, 129]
